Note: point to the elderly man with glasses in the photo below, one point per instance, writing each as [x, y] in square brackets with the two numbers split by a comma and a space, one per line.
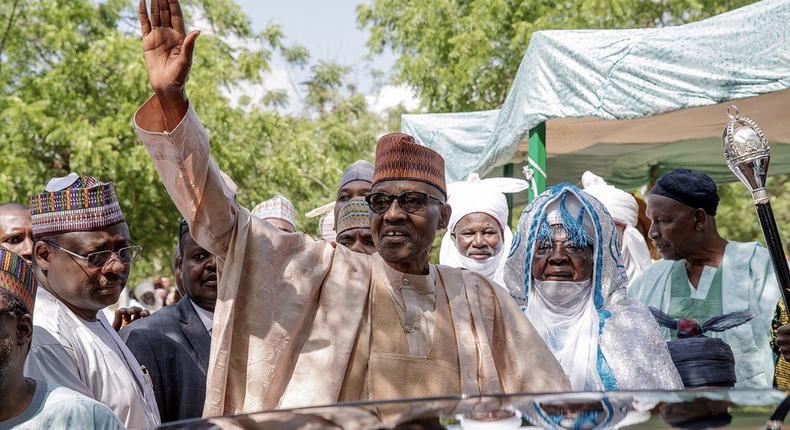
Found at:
[82, 255]
[300, 322]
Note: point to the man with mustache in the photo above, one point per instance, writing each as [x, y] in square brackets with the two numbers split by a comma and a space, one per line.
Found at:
[82, 255]
[28, 404]
[478, 236]
[300, 322]
[174, 343]
[703, 275]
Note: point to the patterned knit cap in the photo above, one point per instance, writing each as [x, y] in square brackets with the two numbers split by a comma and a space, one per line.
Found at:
[276, 207]
[355, 214]
[361, 170]
[17, 278]
[399, 157]
[74, 203]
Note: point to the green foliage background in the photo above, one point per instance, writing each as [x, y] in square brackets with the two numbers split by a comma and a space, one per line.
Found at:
[72, 76]
[462, 55]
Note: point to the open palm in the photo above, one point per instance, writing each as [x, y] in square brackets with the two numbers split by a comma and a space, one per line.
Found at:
[166, 46]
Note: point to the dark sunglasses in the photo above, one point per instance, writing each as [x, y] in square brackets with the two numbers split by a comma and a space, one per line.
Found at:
[409, 201]
[99, 258]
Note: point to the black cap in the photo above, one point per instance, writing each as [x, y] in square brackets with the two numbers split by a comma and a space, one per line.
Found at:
[693, 189]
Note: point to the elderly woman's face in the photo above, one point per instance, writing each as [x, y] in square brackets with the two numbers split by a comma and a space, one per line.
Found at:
[560, 260]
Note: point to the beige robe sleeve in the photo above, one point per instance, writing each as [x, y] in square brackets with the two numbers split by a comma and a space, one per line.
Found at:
[204, 195]
[271, 284]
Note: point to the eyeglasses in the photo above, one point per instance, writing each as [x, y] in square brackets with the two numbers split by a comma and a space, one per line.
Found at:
[98, 259]
[409, 201]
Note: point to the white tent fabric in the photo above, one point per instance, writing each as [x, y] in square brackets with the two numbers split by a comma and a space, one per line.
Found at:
[619, 75]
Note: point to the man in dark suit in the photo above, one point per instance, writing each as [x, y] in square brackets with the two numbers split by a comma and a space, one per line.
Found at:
[174, 343]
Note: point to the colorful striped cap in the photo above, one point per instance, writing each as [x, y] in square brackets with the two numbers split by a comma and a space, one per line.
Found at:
[399, 157]
[276, 207]
[354, 214]
[74, 203]
[17, 278]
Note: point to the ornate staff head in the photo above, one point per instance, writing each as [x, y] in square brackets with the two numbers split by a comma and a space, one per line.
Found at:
[747, 153]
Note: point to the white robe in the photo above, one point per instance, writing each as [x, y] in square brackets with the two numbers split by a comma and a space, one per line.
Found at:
[84, 356]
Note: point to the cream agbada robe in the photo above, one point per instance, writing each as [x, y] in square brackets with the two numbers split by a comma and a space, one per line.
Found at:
[299, 322]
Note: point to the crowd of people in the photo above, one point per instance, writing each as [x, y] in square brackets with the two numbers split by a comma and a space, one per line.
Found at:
[263, 316]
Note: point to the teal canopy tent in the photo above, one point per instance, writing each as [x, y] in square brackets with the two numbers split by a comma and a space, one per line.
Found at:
[629, 105]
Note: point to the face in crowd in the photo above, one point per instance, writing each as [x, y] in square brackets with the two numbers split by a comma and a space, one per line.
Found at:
[560, 260]
[404, 227]
[16, 230]
[148, 298]
[358, 240]
[198, 272]
[86, 270]
[16, 330]
[358, 188]
[676, 229]
[478, 236]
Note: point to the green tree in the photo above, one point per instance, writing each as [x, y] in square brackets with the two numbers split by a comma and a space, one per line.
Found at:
[72, 76]
[462, 55]
[737, 218]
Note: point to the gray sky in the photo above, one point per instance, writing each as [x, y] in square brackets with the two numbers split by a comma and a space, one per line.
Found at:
[328, 29]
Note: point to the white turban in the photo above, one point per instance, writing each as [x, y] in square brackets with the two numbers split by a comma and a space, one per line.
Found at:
[326, 224]
[141, 290]
[624, 210]
[486, 196]
[621, 205]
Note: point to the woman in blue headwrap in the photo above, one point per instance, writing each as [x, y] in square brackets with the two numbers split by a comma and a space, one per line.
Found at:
[564, 267]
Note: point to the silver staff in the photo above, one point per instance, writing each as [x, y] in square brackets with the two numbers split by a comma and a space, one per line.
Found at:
[747, 154]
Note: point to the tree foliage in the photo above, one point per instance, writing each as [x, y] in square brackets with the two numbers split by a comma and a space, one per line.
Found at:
[72, 76]
[462, 55]
[737, 218]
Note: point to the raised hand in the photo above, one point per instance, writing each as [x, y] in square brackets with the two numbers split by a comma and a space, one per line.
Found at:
[168, 54]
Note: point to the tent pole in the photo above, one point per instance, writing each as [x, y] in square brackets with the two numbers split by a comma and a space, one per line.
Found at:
[508, 173]
[536, 157]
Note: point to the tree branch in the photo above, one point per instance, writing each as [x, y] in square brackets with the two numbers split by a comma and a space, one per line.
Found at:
[8, 28]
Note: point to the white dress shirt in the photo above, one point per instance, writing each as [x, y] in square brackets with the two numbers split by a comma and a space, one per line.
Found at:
[206, 317]
[89, 357]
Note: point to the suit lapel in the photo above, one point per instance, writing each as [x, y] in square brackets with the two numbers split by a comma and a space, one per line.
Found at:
[194, 331]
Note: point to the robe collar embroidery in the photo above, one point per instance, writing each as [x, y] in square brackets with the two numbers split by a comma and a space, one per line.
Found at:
[414, 297]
